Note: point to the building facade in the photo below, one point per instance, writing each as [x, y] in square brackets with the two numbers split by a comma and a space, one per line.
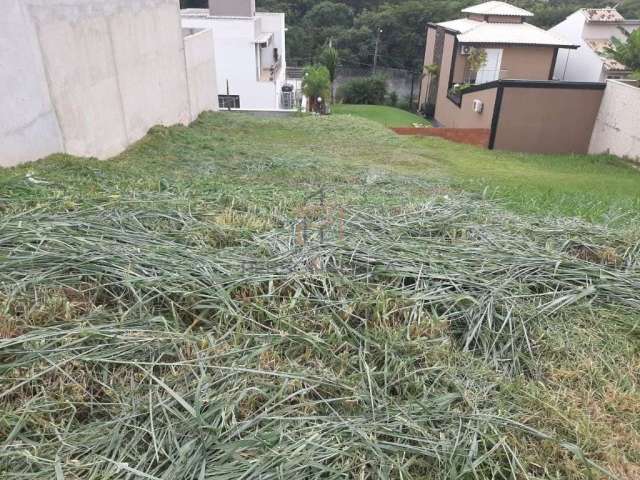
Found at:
[250, 49]
[513, 49]
[509, 95]
[593, 30]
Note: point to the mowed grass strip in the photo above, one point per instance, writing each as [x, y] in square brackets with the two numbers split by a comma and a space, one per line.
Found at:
[390, 117]
[594, 187]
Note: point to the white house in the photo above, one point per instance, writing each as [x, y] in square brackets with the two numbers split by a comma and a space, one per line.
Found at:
[592, 29]
[250, 53]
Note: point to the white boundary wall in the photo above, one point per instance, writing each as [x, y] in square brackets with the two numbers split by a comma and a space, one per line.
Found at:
[90, 77]
[617, 128]
[201, 72]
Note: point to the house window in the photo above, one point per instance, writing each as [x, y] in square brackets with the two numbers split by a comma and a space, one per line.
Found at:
[229, 101]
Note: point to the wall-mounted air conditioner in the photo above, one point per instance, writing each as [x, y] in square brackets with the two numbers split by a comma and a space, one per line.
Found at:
[478, 106]
[465, 50]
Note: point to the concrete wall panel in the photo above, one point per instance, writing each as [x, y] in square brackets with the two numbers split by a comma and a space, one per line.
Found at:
[90, 77]
[150, 63]
[83, 83]
[547, 120]
[201, 72]
[28, 124]
[527, 63]
[617, 128]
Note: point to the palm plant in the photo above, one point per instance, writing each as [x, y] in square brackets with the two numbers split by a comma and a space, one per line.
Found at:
[432, 69]
[316, 84]
[477, 59]
[329, 58]
[627, 53]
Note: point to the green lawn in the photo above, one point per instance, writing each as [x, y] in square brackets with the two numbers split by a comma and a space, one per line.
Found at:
[318, 297]
[597, 188]
[387, 116]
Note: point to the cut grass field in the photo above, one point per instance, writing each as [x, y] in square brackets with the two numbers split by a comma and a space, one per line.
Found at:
[388, 116]
[318, 298]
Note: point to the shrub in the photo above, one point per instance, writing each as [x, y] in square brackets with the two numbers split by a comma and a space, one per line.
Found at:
[316, 83]
[407, 104]
[364, 91]
[393, 99]
[428, 110]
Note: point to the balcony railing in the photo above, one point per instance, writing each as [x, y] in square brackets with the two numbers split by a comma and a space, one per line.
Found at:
[270, 73]
[484, 76]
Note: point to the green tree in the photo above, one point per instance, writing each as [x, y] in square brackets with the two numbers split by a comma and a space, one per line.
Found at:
[364, 91]
[353, 25]
[627, 52]
[329, 14]
[316, 84]
[329, 58]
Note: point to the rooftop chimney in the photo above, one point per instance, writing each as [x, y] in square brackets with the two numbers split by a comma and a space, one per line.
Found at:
[232, 8]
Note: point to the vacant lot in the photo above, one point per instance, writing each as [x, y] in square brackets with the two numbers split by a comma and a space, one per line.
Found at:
[318, 298]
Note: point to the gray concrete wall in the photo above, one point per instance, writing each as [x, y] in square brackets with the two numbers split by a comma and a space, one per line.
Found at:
[201, 73]
[232, 8]
[88, 77]
[28, 124]
[617, 128]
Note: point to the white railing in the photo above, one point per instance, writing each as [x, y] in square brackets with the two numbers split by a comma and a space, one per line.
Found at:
[484, 76]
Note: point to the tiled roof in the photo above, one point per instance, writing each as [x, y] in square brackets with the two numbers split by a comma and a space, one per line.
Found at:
[511, 34]
[600, 47]
[462, 25]
[497, 9]
[609, 15]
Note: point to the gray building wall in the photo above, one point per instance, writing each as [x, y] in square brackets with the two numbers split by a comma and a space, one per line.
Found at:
[232, 8]
[28, 123]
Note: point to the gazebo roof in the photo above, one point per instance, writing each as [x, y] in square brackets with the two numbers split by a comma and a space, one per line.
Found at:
[500, 9]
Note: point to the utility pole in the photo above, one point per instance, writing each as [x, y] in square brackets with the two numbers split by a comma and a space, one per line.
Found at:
[375, 55]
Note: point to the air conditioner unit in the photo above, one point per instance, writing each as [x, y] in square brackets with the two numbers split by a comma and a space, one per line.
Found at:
[465, 50]
[478, 106]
